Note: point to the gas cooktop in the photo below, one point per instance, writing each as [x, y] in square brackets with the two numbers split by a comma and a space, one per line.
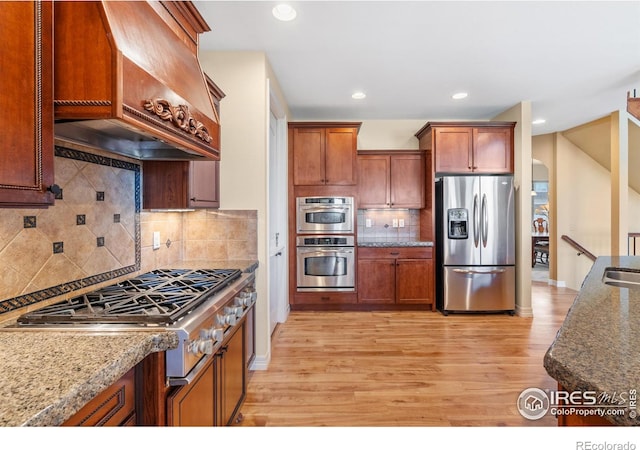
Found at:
[160, 297]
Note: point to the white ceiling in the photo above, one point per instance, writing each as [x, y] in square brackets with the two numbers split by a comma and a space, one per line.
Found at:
[574, 61]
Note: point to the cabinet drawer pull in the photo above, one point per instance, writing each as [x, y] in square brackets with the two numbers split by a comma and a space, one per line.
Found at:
[394, 253]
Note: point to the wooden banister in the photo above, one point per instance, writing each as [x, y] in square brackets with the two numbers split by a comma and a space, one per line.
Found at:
[632, 237]
[579, 247]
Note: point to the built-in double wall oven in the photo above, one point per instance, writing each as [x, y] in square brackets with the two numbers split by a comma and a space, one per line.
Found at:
[325, 244]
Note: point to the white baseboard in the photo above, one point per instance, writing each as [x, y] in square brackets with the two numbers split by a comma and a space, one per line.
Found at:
[524, 312]
[261, 362]
[557, 283]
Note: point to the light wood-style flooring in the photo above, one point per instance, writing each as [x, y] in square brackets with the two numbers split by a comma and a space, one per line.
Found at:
[406, 368]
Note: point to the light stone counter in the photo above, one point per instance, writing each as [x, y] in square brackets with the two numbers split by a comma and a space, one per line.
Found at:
[598, 346]
[396, 244]
[48, 376]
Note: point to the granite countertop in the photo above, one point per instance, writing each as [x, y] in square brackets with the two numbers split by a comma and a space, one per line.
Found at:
[48, 375]
[597, 349]
[396, 244]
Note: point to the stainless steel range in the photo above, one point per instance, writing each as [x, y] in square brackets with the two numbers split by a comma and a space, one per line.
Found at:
[202, 306]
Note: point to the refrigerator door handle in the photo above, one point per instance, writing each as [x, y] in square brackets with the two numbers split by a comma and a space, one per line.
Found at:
[476, 221]
[485, 220]
[479, 272]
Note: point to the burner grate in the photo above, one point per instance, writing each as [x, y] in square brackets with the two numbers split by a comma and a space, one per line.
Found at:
[158, 297]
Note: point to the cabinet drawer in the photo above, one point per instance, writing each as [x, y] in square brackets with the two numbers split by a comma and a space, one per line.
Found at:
[112, 407]
[325, 298]
[395, 252]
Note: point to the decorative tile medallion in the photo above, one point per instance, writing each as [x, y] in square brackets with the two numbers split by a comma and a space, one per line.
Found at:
[81, 219]
[100, 196]
[116, 218]
[100, 242]
[29, 222]
[58, 247]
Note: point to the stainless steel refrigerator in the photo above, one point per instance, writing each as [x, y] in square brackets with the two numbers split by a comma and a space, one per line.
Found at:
[475, 242]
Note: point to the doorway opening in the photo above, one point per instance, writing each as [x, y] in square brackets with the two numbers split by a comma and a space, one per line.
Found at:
[540, 222]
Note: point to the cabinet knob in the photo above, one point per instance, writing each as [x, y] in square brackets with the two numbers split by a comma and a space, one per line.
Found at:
[55, 189]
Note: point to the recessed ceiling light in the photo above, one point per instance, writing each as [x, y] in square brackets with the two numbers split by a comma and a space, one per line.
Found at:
[538, 121]
[284, 12]
[459, 95]
[358, 95]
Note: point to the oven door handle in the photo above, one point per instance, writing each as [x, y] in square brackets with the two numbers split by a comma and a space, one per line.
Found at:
[181, 381]
[308, 251]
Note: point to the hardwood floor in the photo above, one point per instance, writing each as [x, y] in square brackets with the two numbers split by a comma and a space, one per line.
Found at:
[406, 368]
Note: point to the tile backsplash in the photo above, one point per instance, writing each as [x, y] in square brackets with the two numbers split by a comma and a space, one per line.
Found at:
[96, 234]
[382, 221]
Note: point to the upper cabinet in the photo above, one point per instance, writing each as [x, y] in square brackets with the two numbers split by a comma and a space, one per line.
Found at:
[474, 147]
[323, 153]
[180, 184]
[393, 179]
[26, 141]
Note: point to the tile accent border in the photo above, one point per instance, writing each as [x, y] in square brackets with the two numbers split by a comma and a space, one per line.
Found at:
[31, 298]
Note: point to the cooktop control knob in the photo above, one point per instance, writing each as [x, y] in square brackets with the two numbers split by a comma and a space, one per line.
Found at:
[230, 315]
[221, 320]
[213, 333]
[198, 346]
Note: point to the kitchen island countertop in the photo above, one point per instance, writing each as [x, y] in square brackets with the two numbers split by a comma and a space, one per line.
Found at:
[596, 348]
[396, 244]
[47, 376]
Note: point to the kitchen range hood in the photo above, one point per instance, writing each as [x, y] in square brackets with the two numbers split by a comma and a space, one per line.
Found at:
[127, 79]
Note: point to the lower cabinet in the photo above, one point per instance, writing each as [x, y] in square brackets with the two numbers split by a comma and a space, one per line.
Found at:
[115, 406]
[231, 374]
[395, 275]
[214, 397]
[193, 405]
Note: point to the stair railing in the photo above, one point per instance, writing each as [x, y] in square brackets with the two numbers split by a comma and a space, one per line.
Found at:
[631, 243]
[580, 248]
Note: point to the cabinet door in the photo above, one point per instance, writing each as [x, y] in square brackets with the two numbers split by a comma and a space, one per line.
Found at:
[308, 156]
[414, 281]
[115, 406]
[376, 280]
[26, 141]
[493, 151]
[407, 181]
[193, 404]
[340, 156]
[453, 149]
[233, 376]
[164, 184]
[204, 184]
[373, 181]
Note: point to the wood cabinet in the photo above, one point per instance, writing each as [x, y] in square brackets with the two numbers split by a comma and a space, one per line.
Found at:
[323, 153]
[231, 374]
[26, 141]
[395, 275]
[214, 396]
[115, 406]
[391, 179]
[193, 405]
[180, 184]
[469, 147]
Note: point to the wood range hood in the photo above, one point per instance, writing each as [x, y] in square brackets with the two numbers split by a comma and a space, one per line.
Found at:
[127, 79]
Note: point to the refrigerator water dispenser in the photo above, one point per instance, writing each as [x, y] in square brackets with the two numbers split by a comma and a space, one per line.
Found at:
[458, 223]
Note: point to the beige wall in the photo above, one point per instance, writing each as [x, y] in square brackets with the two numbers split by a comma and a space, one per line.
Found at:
[244, 112]
[521, 114]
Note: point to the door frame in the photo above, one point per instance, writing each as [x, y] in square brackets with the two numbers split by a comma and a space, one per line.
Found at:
[275, 107]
